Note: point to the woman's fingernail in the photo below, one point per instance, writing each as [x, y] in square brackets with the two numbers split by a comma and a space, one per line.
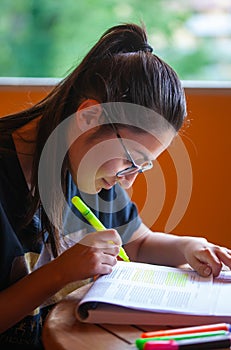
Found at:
[207, 271]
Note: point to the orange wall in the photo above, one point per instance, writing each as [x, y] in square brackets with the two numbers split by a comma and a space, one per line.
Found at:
[208, 143]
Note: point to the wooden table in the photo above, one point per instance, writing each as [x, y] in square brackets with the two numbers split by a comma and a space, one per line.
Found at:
[62, 331]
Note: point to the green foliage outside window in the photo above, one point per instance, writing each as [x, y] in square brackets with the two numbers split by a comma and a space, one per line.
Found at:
[47, 38]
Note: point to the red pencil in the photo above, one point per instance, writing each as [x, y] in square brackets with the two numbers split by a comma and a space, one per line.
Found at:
[188, 330]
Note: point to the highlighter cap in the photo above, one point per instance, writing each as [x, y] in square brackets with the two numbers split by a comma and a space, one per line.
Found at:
[149, 344]
[161, 345]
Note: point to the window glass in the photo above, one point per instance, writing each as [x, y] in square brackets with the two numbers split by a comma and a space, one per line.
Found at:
[47, 38]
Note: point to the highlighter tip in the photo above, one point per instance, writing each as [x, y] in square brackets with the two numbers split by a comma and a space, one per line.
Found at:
[123, 255]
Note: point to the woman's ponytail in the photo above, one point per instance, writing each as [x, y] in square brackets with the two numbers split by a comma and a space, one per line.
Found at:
[122, 38]
[126, 38]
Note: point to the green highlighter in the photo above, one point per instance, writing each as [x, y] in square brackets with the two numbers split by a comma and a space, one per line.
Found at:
[94, 221]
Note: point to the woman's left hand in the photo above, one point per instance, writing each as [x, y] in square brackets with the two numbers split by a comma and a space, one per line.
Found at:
[204, 257]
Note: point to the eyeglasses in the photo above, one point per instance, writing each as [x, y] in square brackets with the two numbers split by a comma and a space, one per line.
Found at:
[134, 168]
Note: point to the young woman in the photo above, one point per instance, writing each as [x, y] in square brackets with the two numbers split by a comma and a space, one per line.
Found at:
[91, 136]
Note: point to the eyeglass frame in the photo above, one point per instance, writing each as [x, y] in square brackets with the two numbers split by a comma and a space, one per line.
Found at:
[134, 168]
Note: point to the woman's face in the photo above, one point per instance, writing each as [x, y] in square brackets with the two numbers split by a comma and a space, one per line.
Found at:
[94, 162]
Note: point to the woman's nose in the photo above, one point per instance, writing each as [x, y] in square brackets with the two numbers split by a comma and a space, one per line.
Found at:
[127, 181]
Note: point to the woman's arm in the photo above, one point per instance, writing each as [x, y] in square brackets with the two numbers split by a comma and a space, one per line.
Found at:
[20, 299]
[172, 250]
[92, 256]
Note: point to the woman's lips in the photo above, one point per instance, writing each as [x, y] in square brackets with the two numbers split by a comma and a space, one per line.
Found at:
[107, 184]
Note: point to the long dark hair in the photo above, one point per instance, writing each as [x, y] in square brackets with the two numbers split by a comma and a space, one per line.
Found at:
[119, 68]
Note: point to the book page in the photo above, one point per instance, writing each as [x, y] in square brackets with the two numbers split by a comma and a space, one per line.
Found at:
[153, 288]
[221, 294]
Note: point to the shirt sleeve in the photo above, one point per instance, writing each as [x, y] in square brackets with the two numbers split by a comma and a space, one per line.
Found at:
[9, 248]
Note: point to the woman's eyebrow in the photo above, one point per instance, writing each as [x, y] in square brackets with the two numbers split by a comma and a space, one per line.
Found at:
[144, 156]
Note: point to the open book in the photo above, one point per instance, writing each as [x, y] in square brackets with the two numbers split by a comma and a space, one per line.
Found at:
[137, 293]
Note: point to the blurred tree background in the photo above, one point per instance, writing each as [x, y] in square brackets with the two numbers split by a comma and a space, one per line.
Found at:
[47, 38]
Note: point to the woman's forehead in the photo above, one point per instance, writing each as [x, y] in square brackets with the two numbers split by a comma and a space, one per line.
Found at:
[152, 137]
[140, 144]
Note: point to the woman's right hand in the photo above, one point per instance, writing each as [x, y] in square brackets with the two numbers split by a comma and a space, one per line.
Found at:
[95, 254]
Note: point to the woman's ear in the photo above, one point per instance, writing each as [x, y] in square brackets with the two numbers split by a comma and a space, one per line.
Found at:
[88, 114]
